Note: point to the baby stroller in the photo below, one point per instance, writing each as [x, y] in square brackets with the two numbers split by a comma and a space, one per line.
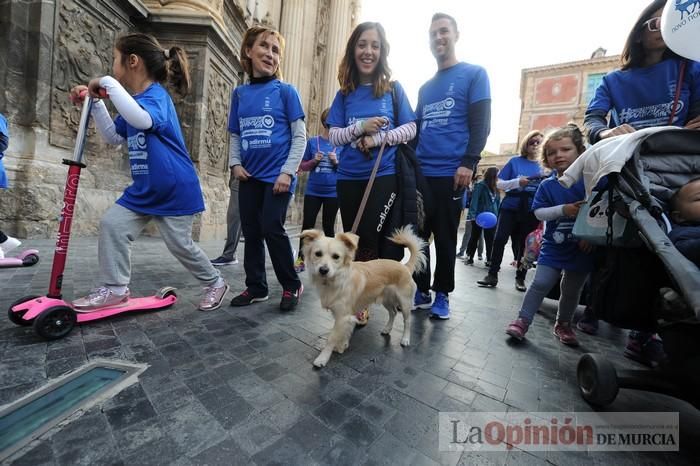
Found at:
[626, 282]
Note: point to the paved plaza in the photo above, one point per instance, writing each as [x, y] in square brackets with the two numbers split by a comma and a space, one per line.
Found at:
[236, 386]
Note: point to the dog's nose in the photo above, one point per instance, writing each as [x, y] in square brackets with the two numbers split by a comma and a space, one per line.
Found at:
[323, 270]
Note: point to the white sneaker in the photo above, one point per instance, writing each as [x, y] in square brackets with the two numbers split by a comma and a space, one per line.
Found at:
[9, 244]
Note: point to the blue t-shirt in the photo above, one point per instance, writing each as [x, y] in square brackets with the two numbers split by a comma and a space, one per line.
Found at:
[323, 177]
[165, 181]
[4, 131]
[643, 97]
[360, 105]
[559, 246]
[262, 114]
[516, 167]
[443, 115]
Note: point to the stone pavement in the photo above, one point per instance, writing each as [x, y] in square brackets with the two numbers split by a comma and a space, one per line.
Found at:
[237, 386]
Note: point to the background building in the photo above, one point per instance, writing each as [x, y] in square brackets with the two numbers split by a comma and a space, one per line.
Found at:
[48, 47]
[553, 95]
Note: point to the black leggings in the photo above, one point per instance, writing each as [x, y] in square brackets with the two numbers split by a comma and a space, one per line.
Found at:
[517, 225]
[376, 220]
[312, 204]
[474, 240]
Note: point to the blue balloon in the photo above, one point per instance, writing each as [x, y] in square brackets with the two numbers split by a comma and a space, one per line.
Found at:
[486, 220]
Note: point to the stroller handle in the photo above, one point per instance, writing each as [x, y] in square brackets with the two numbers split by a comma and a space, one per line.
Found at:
[82, 130]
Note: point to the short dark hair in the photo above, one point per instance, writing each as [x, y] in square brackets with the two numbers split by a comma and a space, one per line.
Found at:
[438, 16]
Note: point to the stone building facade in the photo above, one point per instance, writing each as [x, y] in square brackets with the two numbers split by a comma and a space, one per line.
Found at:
[46, 47]
[553, 95]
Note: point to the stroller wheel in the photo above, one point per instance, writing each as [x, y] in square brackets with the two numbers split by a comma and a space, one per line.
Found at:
[597, 380]
[55, 322]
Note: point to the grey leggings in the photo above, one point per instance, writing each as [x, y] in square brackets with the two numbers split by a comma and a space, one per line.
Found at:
[120, 227]
[545, 278]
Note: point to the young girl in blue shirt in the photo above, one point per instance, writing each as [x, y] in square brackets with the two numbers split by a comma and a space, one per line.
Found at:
[361, 119]
[268, 136]
[562, 257]
[165, 186]
[321, 160]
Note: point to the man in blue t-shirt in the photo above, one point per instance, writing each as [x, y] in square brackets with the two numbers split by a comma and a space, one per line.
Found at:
[453, 116]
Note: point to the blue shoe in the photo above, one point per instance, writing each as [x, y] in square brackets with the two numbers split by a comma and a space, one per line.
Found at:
[441, 306]
[422, 300]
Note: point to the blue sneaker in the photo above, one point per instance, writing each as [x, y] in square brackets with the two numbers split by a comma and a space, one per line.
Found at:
[441, 306]
[422, 300]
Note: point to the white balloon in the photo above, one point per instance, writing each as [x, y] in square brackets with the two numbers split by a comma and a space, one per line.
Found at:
[680, 27]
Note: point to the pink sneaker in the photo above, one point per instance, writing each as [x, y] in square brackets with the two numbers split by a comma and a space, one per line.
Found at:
[517, 329]
[98, 298]
[212, 297]
[565, 334]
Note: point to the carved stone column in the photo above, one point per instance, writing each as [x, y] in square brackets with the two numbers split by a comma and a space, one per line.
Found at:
[292, 28]
[340, 28]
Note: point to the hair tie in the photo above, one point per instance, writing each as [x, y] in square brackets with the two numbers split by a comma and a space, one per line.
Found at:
[166, 52]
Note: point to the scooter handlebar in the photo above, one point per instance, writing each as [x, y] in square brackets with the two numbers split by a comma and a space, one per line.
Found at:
[82, 128]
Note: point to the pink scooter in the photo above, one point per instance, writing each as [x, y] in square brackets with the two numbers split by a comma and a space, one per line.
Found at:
[26, 258]
[52, 316]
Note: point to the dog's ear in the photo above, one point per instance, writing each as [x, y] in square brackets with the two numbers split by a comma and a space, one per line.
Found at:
[350, 240]
[310, 235]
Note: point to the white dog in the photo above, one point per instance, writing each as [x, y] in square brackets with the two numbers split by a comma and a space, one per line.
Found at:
[346, 287]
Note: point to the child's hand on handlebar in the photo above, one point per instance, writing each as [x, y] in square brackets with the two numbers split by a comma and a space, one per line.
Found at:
[95, 90]
[77, 94]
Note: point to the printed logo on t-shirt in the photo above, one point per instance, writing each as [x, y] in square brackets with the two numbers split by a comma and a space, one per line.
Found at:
[138, 154]
[651, 115]
[256, 132]
[437, 113]
[563, 233]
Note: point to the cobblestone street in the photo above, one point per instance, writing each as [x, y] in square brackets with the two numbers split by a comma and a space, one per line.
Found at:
[237, 385]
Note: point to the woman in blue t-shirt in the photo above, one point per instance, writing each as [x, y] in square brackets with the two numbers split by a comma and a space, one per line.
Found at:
[268, 136]
[519, 178]
[361, 119]
[562, 257]
[321, 161]
[642, 92]
[165, 186]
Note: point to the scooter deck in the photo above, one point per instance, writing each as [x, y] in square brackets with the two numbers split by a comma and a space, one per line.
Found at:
[36, 306]
[133, 304]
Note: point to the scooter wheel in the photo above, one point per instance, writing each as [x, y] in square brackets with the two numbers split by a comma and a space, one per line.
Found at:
[30, 260]
[16, 317]
[55, 322]
[597, 380]
[165, 292]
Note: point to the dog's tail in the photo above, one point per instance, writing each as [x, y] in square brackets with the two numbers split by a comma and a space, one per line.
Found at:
[405, 236]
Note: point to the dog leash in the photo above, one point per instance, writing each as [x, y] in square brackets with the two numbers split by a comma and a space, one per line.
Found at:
[368, 189]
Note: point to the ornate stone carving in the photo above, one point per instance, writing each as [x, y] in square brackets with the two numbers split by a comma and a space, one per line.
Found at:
[216, 133]
[319, 64]
[83, 50]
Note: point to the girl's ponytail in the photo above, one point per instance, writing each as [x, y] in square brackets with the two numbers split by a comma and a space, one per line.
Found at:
[178, 70]
[163, 65]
